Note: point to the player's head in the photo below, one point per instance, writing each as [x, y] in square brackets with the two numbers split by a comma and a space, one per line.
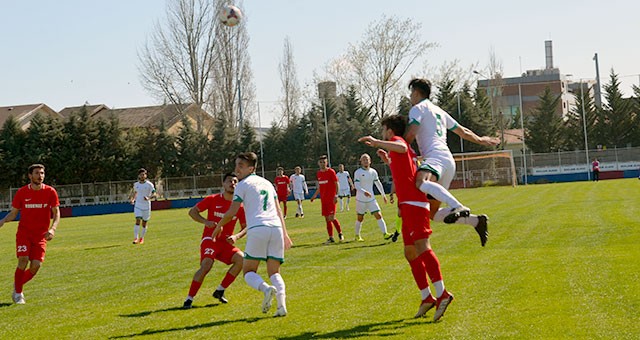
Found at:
[280, 171]
[142, 174]
[298, 170]
[323, 162]
[229, 182]
[340, 167]
[394, 125]
[365, 160]
[246, 164]
[36, 173]
[420, 90]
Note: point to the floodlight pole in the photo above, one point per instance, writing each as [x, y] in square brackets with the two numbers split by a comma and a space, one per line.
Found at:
[326, 129]
[524, 146]
[584, 126]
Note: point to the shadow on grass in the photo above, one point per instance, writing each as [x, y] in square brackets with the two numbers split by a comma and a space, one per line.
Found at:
[171, 309]
[105, 247]
[5, 304]
[379, 329]
[363, 245]
[187, 328]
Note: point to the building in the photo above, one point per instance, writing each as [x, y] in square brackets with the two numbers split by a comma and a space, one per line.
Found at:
[25, 113]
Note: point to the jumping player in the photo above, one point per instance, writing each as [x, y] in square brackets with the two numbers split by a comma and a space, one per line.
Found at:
[328, 190]
[221, 248]
[282, 188]
[38, 205]
[143, 192]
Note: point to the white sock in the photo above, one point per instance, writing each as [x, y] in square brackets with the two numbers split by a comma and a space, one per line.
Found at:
[441, 214]
[190, 297]
[136, 231]
[348, 200]
[440, 193]
[424, 293]
[255, 281]
[382, 225]
[281, 295]
[472, 220]
[220, 287]
[301, 210]
[143, 232]
[439, 286]
[341, 203]
[358, 227]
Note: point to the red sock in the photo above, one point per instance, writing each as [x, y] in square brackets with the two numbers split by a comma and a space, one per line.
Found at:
[195, 287]
[285, 209]
[432, 265]
[27, 276]
[227, 281]
[337, 225]
[329, 229]
[419, 273]
[18, 280]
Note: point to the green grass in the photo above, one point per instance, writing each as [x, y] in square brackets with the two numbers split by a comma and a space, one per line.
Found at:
[562, 261]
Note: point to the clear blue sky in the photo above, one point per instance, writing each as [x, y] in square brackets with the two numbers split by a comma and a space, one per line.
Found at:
[63, 53]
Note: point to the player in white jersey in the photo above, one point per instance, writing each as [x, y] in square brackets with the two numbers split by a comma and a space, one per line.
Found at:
[364, 179]
[345, 185]
[299, 188]
[143, 192]
[428, 125]
[267, 236]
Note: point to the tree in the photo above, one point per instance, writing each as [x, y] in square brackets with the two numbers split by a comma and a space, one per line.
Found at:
[615, 120]
[12, 165]
[289, 81]
[387, 50]
[575, 125]
[544, 131]
[191, 158]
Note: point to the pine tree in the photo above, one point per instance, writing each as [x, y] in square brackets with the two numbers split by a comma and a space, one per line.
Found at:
[544, 132]
[616, 120]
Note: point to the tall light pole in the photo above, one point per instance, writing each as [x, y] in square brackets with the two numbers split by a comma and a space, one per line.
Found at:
[584, 126]
[524, 146]
[598, 96]
[491, 103]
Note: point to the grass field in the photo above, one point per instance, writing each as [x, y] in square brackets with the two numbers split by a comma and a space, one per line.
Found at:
[562, 261]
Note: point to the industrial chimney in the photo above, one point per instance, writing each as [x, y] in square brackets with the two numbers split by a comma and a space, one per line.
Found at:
[548, 53]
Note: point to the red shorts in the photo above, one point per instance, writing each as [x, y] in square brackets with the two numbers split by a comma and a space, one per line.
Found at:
[222, 252]
[33, 247]
[328, 206]
[415, 223]
[283, 197]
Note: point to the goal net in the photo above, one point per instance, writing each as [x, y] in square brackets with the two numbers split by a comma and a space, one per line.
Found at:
[477, 169]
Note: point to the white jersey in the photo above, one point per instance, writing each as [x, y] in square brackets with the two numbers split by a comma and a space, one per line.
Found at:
[143, 189]
[298, 183]
[258, 197]
[433, 123]
[364, 181]
[343, 180]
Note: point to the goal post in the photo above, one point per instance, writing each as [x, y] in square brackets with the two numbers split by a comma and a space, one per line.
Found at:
[487, 168]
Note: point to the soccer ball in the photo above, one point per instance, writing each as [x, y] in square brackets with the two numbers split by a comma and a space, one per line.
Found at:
[230, 15]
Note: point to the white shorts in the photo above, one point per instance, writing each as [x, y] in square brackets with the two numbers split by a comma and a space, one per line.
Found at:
[442, 164]
[264, 243]
[344, 192]
[145, 215]
[363, 207]
[298, 196]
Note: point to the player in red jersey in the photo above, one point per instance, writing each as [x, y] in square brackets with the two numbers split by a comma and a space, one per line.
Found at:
[38, 204]
[414, 209]
[328, 190]
[221, 247]
[282, 189]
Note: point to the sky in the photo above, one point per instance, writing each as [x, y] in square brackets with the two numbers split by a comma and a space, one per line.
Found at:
[68, 52]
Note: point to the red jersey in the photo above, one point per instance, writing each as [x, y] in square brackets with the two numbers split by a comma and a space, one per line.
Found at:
[327, 184]
[403, 172]
[216, 207]
[35, 208]
[282, 185]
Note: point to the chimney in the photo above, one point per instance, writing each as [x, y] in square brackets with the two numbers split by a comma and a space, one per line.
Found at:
[548, 53]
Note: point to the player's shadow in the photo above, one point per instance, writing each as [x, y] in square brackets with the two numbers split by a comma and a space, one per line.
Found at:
[188, 328]
[5, 304]
[378, 329]
[171, 309]
[104, 247]
[354, 245]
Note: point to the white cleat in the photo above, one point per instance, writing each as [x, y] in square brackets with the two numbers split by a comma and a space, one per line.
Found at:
[269, 294]
[15, 296]
[19, 299]
[282, 311]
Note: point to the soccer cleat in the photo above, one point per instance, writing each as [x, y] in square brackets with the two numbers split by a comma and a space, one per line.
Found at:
[187, 304]
[425, 306]
[301, 215]
[219, 294]
[482, 229]
[457, 213]
[387, 236]
[441, 305]
[135, 241]
[268, 296]
[15, 296]
[359, 238]
[394, 238]
[19, 299]
[330, 241]
[281, 311]
[141, 241]
[341, 237]
[297, 215]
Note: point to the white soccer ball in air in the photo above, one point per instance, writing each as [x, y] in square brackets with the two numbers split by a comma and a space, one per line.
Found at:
[230, 15]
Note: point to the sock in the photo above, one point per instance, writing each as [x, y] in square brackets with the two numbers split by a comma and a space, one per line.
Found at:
[337, 225]
[301, 210]
[136, 231]
[398, 223]
[348, 200]
[440, 193]
[472, 220]
[439, 286]
[341, 203]
[419, 273]
[285, 210]
[424, 293]
[143, 232]
[382, 225]
[358, 227]
[18, 280]
[255, 281]
[194, 288]
[329, 229]
[432, 266]
[227, 281]
[27, 276]
[278, 282]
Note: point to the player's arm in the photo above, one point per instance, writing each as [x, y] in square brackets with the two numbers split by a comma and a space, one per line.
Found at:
[471, 136]
[305, 187]
[233, 210]
[410, 134]
[392, 191]
[194, 213]
[351, 183]
[315, 194]
[54, 223]
[10, 216]
[394, 146]
[132, 196]
[380, 189]
[335, 197]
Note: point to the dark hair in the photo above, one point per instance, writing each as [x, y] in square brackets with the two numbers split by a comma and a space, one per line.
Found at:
[249, 157]
[141, 170]
[421, 85]
[395, 123]
[279, 168]
[227, 175]
[35, 166]
[322, 157]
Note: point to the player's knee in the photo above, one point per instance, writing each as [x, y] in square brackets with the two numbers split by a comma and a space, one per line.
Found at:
[23, 261]
[410, 253]
[34, 267]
